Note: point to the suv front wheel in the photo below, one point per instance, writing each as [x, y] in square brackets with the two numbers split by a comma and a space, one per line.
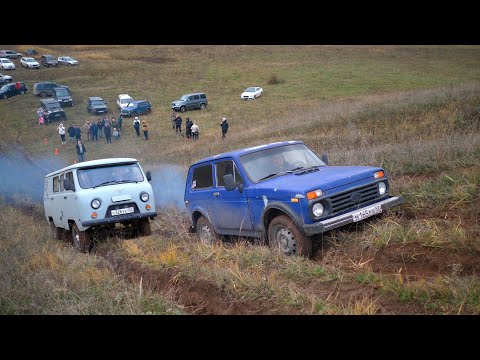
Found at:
[284, 235]
[183, 109]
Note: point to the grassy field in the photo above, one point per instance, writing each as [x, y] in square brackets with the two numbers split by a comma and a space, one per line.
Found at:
[412, 109]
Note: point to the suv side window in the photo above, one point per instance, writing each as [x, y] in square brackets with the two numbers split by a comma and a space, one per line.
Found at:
[190, 98]
[196, 97]
[202, 177]
[224, 168]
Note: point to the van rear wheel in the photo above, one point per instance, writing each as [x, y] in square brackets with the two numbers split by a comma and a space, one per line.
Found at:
[284, 236]
[82, 240]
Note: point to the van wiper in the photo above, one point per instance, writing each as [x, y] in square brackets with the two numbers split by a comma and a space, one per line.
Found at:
[115, 182]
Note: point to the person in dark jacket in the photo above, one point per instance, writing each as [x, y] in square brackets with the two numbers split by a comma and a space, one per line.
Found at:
[100, 124]
[188, 128]
[136, 125]
[224, 126]
[93, 131]
[71, 133]
[120, 121]
[81, 150]
[178, 125]
[108, 131]
[78, 132]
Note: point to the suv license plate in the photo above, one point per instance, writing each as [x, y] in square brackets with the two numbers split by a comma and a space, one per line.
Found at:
[123, 211]
[365, 213]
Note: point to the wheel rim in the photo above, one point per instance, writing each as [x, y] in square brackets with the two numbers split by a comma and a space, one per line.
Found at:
[202, 107]
[284, 239]
[206, 234]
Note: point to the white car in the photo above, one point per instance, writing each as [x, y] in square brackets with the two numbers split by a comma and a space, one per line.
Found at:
[67, 60]
[251, 93]
[5, 79]
[29, 62]
[7, 64]
[123, 100]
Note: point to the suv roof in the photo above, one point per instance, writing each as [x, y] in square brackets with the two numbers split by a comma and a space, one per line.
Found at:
[197, 93]
[236, 153]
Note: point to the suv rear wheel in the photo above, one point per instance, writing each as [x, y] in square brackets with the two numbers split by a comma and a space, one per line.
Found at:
[205, 232]
[202, 106]
[148, 111]
[284, 235]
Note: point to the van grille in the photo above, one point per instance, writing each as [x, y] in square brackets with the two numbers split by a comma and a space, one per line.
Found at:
[354, 199]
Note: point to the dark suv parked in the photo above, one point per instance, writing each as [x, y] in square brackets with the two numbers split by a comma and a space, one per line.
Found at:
[96, 105]
[9, 90]
[52, 110]
[46, 88]
[63, 96]
[48, 60]
[190, 101]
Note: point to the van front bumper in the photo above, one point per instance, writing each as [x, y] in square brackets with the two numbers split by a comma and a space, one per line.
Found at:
[119, 218]
[347, 218]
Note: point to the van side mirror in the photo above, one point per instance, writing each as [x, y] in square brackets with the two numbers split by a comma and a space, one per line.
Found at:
[149, 175]
[66, 184]
[325, 158]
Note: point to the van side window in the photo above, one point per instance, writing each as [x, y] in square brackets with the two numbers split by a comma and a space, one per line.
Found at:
[202, 177]
[69, 175]
[61, 182]
[55, 184]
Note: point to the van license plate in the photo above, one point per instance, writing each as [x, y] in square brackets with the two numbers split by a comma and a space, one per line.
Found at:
[123, 211]
[365, 213]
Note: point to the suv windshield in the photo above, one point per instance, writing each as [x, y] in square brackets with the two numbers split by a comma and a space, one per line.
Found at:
[280, 160]
[109, 175]
[97, 103]
[125, 101]
[62, 92]
[52, 105]
[184, 97]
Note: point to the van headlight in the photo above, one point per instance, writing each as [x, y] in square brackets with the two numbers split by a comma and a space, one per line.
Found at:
[96, 203]
[382, 188]
[144, 196]
[317, 209]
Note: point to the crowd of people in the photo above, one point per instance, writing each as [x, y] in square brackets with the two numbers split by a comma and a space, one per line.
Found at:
[107, 127]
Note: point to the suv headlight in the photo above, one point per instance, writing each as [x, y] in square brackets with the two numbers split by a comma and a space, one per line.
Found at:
[317, 209]
[144, 196]
[96, 203]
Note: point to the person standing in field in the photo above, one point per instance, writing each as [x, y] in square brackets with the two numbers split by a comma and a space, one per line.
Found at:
[71, 133]
[136, 125]
[61, 132]
[87, 130]
[224, 126]
[145, 129]
[195, 131]
[188, 128]
[81, 150]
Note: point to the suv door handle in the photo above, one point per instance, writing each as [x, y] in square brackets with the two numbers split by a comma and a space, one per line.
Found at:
[216, 194]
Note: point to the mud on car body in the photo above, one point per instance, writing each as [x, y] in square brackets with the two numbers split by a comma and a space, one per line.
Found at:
[83, 198]
[281, 191]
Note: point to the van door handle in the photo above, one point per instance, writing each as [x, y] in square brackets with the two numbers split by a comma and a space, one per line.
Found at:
[216, 194]
[64, 197]
[51, 198]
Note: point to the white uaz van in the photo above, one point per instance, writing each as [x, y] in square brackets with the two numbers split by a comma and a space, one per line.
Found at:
[81, 198]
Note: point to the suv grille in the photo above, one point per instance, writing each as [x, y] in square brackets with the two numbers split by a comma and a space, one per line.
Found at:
[354, 199]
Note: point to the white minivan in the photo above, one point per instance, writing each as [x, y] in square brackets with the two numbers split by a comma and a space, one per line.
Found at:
[83, 198]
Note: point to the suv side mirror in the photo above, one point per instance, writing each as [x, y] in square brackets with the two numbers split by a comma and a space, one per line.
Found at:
[325, 158]
[149, 175]
[230, 184]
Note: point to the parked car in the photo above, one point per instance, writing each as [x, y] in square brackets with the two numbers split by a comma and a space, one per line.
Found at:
[123, 100]
[5, 79]
[52, 110]
[7, 64]
[81, 199]
[67, 60]
[48, 60]
[283, 192]
[251, 93]
[29, 62]
[46, 88]
[9, 54]
[63, 96]
[190, 102]
[137, 108]
[11, 89]
[96, 105]
[31, 52]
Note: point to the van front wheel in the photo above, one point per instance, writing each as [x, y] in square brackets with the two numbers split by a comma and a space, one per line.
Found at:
[284, 235]
[82, 240]
[58, 233]
[145, 227]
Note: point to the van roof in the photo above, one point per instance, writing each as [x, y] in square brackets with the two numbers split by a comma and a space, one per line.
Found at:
[239, 152]
[93, 163]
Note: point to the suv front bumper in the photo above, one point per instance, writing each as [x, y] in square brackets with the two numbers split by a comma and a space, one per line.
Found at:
[344, 219]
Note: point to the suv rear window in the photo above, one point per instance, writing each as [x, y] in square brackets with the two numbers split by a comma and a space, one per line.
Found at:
[202, 177]
[203, 96]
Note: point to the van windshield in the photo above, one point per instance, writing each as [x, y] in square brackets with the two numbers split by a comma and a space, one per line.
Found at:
[109, 175]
